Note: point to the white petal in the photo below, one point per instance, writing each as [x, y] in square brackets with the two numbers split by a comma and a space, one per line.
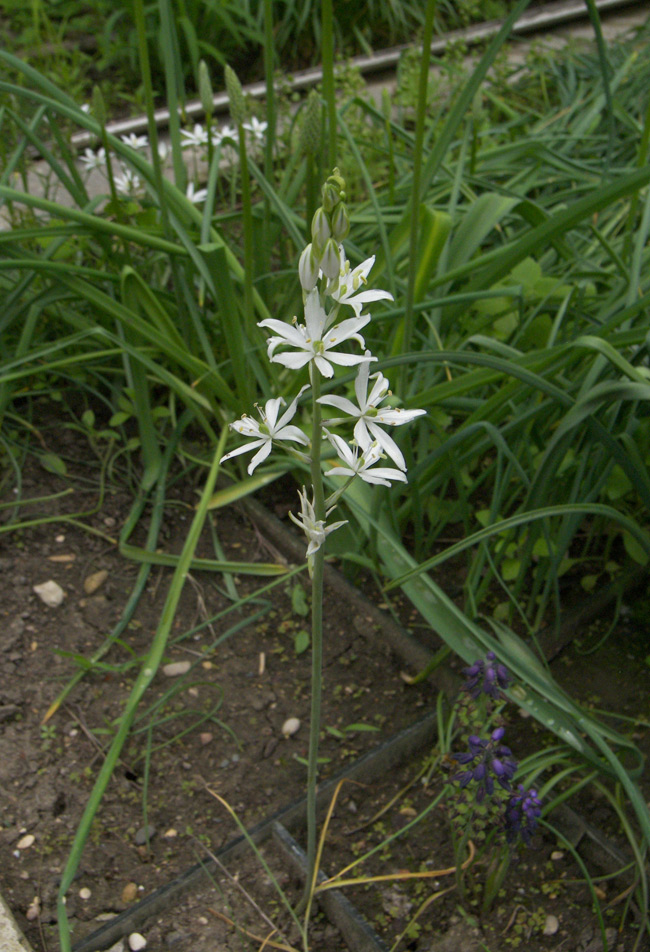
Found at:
[326, 369]
[346, 360]
[291, 433]
[387, 444]
[315, 316]
[393, 416]
[292, 360]
[259, 457]
[246, 448]
[271, 411]
[342, 403]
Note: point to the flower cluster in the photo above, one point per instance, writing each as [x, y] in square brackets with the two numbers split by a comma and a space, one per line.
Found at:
[489, 766]
[522, 813]
[487, 761]
[330, 285]
[487, 676]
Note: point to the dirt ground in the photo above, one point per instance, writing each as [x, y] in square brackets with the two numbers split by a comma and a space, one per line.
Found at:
[217, 727]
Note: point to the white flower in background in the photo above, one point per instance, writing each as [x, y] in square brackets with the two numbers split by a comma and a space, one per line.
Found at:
[93, 160]
[360, 464]
[256, 128]
[225, 132]
[163, 150]
[128, 182]
[85, 107]
[315, 529]
[351, 284]
[312, 341]
[197, 138]
[136, 142]
[198, 196]
[263, 434]
[370, 419]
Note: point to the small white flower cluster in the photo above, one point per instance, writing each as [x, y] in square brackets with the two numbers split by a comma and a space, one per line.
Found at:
[197, 137]
[315, 344]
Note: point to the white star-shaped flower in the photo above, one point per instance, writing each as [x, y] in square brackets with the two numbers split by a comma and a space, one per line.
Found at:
[196, 138]
[136, 142]
[256, 128]
[93, 160]
[360, 464]
[128, 182]
[370, 419]
[313, 340]
[315, 529]
[349, 287]
[196, 197]
[263, 434]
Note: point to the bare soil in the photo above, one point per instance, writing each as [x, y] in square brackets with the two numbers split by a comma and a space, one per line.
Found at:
[218, 729]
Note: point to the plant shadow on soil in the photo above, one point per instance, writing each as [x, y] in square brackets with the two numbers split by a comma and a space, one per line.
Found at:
[219, 726]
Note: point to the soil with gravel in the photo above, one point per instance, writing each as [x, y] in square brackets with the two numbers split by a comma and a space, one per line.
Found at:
[216, 728]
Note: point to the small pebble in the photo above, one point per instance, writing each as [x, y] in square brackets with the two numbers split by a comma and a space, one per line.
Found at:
[205, 737]
[130, 892]
[170, 833]
[144, 833]
[290, 727]
[551, 925]
[176, 668]
[34, 910]
[95, 581]
[557, 854]
[85, 893]
[50, 593]
[137, 942]
[25, 842]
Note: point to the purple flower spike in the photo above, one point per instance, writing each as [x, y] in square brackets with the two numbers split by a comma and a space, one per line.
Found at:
[487, 676]
[522, 813]
[487, 761]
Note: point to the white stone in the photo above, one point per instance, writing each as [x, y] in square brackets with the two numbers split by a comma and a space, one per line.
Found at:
[50, 593]
[551, 925]
[291, 726]
[176, 668]
[137, 942]
[85, 893]
[25, 842]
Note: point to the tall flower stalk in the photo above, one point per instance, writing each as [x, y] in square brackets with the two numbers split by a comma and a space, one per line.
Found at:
[334, 297]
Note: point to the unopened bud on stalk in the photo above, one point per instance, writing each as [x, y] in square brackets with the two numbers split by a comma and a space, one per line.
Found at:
[310, 134]
[340, 222]
[236, 97]
[330, 262]
[99, 106]
[308, 268]
[205, 88]
[320, 231]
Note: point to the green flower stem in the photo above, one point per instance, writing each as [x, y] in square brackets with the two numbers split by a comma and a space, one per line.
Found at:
[247, 221]
[328, 79]
[316, 644]
[415, 187]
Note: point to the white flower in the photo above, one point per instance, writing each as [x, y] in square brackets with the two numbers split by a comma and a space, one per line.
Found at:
[198, 196]
[225, 132]
[349, 289]
[128, 182]
[93, 160]
[256, 128]
[368, 428]
[312, 341]
[268, 430]
[85, 107]
[315, 529]
[136, 142]
[196, 138]
[357, 464]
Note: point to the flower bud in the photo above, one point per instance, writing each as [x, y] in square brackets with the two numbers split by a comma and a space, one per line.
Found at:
[205, 88]
[340, 222]
[330, 196]
[330, 262]
[320, 231]
[308, 268]
[236, 97]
